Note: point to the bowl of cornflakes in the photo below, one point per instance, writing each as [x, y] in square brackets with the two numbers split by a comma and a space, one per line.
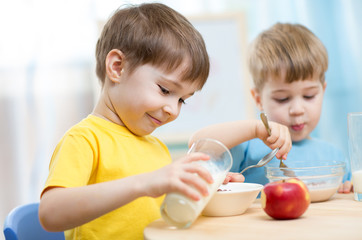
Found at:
[233, 198]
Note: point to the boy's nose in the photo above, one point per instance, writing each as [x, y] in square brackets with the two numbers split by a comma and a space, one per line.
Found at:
[296, 107]
[172, 109]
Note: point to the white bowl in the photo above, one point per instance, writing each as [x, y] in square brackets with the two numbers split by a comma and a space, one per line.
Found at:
[232, 199]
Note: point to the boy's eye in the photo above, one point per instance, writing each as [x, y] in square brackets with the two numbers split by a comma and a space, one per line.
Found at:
[281, 100]
[309, 97]
[164, 90]
[182, 101]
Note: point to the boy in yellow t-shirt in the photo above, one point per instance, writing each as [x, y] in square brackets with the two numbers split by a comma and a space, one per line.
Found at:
[108, 174]
[288, 63]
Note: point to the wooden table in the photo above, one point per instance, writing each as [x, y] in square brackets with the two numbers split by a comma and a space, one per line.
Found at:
[339, 218]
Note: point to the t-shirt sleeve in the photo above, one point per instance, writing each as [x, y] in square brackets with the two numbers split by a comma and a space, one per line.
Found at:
[72, 163]
[238, 154]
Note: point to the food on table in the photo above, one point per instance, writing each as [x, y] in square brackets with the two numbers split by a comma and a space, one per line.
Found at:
[321, 194]
[285, 199]
[233, 198]
[223, 190]
[322, 178]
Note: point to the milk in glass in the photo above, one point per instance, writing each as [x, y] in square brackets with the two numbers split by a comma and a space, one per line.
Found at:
[355, 151]
[357, 181]
[180, 211]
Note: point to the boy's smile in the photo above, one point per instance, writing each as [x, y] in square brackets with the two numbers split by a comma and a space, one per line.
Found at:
[297, 105]
[155, 120]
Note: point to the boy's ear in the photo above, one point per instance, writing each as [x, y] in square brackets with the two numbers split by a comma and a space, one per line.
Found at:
[114, 65]
[324, 86]
[257, 98]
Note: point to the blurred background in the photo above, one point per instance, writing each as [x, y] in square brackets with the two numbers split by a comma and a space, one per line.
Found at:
[48, 83]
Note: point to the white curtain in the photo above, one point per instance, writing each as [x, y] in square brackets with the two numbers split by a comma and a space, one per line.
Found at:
[47, 84]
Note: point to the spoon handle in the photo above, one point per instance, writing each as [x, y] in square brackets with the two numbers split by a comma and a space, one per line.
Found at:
[264, 119]
[282, 165]
[247, 168]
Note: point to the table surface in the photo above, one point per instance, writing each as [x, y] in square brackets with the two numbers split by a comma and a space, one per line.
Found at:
[338, 218]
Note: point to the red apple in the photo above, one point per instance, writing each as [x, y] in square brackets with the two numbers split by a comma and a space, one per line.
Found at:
[285, 199]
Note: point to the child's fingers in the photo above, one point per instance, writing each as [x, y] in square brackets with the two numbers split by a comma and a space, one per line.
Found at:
[278, 134]
[284, 143]
[283, 151]
[192, 167]
[196, 156]
[340, 188]
[226, 180]
[194, 182]
[199, 171]
[347, 186]
[187, 190]
[236, 177]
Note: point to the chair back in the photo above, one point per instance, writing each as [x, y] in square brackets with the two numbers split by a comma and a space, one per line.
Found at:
[22, 223]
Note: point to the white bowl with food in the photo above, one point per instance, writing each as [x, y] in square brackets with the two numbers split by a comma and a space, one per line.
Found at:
[322, 178]
[232, 199]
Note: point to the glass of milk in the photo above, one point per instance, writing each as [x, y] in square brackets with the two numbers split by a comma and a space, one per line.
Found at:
[355, 151]
[180, 211]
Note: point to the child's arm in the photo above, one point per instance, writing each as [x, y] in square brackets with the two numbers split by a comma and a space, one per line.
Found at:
[65, 208]
[234, 133]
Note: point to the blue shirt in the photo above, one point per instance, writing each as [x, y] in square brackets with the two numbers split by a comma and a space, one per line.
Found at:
[250, 152]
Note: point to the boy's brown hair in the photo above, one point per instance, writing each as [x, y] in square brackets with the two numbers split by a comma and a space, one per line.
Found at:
[153, 33]
[287, 50]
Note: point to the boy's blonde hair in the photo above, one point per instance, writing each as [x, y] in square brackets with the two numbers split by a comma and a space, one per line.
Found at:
[153, 33]
[287, 50]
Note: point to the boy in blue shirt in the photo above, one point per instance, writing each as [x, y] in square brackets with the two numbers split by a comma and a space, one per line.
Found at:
[288, 64]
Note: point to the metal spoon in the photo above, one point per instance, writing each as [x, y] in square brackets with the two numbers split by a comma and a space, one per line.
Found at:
[286, 171]
[282, 166]
[264, 119]
[264, 160]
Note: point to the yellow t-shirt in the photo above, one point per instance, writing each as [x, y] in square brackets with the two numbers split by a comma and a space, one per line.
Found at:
[96, 150]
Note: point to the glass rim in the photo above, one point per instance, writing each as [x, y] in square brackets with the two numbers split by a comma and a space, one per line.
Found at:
[227, 151]
[211, 140]
[334, 165]
[354, 113]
